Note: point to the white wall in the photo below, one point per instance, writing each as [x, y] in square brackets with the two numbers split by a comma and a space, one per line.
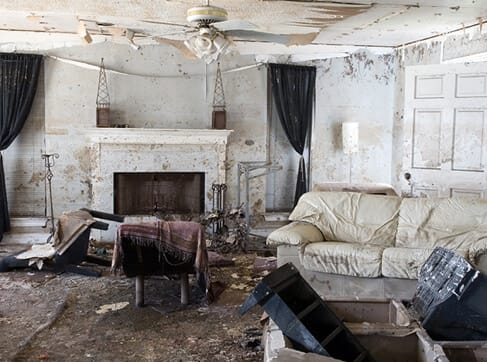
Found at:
[161, 90]
[165, 90]
[359, 88]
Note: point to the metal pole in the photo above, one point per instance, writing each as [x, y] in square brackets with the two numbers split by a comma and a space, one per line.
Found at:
[239, 171]
[49, 162]
[350, 168]
[213, 210]
[247, 197]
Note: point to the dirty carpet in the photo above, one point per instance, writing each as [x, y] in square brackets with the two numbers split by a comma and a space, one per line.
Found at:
[69, 317]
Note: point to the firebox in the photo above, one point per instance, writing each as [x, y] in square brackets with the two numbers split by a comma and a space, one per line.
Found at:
[147, 193]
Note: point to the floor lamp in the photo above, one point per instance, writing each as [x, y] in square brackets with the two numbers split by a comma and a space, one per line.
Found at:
[350, 143]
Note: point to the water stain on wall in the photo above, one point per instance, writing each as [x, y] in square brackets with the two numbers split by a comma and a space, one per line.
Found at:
[83, 158]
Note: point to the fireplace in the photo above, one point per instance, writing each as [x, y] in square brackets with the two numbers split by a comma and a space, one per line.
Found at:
[153, 153]
[146, 193]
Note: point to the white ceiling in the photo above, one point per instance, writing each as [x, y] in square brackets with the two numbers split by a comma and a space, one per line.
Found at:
[336, 27]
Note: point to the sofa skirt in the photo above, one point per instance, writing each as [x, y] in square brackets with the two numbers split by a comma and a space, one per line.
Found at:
[336, 285]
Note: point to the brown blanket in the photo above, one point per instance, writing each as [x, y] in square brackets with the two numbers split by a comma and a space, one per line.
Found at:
[180, 241]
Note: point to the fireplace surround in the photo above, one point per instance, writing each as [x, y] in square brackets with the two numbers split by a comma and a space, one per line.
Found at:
[136, 150]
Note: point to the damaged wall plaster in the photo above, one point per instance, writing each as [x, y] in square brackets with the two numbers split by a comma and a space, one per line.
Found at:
[358, 88]
[179, 97]
[365, 87]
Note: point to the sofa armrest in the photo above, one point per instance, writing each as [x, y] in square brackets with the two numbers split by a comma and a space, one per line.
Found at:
[477, 255]
[295, 233]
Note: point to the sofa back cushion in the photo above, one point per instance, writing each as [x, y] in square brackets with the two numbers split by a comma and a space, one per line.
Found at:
[350, 216]
[453, 223]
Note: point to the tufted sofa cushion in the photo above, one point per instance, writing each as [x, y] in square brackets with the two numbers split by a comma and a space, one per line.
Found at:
[453, 223]
[350, 217]
[343, 258]
[406, 262]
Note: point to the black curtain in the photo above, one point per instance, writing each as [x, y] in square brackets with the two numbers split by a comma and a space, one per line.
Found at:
[18, 84]
[293, 89]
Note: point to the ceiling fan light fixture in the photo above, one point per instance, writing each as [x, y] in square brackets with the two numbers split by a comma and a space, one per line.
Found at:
[203, 43]
[207, 44]
[221, 43]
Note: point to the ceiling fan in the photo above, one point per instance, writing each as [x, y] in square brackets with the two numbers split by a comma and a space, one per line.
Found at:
[211, 33]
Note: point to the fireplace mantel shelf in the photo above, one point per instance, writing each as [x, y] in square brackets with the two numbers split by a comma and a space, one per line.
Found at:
[147, 150]
[157, 136]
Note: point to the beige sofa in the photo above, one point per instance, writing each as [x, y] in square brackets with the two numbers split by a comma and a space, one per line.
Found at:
[353, 244]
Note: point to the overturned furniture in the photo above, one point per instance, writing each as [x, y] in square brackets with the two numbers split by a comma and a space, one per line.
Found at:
[383, 326]
[68, 247]
[303, 316]
[162, 248]
[450, 298]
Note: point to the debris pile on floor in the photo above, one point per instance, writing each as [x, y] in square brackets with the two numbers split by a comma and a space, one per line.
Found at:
[74, 317]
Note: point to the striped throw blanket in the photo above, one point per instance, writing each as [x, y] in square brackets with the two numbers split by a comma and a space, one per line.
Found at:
[180, 244]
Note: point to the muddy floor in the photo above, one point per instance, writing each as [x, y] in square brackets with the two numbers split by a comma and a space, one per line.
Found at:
[69, 317]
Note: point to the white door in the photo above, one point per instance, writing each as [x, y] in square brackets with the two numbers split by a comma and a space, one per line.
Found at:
[444, 130]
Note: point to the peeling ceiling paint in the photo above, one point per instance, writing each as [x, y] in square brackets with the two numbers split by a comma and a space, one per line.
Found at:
[312, 25]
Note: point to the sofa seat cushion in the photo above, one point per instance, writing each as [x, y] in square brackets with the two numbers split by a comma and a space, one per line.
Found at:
[406, 262]
[295, 233]
[453, 223]
[343, 258]
[350, 216]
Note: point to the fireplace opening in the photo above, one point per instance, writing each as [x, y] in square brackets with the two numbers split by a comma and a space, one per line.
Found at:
[147, 193]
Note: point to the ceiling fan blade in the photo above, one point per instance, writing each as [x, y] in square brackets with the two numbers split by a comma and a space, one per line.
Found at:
[302, 39]
[150, 21]
[235, 24]
[286, 39]
[181, 33]
[178, 44]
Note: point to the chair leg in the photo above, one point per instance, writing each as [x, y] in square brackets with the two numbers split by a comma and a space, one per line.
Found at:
[184, 288]
[139, 290]
[139, 279]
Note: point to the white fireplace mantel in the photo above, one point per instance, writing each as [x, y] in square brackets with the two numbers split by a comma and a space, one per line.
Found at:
[114, 150]
[157, 136]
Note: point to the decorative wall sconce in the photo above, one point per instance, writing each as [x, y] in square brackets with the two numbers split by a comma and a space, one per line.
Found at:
[219, 115]
[102, 99]
[350, 136]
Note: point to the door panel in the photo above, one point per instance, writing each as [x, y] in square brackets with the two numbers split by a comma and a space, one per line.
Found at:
[468, 143]
[444, 130]
[430, 86]
[471, 85]
[427, 139]
[467, 193]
